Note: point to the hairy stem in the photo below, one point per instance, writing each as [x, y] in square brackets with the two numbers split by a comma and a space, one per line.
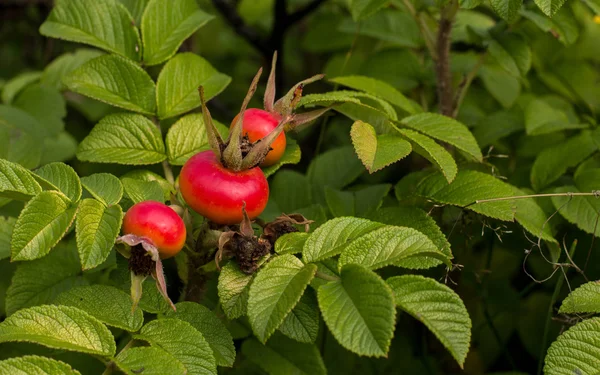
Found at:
[324, 276]
[442, 64]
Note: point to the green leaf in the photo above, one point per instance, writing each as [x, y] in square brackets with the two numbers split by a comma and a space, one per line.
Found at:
[178, 82]
[502, 86]
[418, 219]
[32, 364]
[547, 116]
[104, 24]
[123, 138]
[42, 223]
[6, 228]
[136, 9]
[59, 148]
[148, 176]
[507, 9]
[446, 130]
[575, 351]
[166, 24]
[290, 190]
[377, 152]
[581, 211]
[18, 83]
[292, 155]
[380, 89]
[389, 246]
[467, 187]
[284, 356]
[335, 168]
[584, 299]
[549, 7]
[17, 182]
[44, 103]
[105, 187]
[63, 65]
[139, 191]
[40, 281]
[61, 177]
[213, 330]
[275, 291]
[59, 327]
[519, 50]
[117, 81]
[430, 150]
[149, 361]
[531, 216]
[359, 311]
[362, 9]
[105, 303]
[503, 58]
[182, 341]
[395, 27]
[302, 323]
[331, 238]
[233, 290]
[439, 308]
[563, 24]
[187, 137]
[290, 243]
[554, 161]
[97, 227]
[328, 98]
[25, 135]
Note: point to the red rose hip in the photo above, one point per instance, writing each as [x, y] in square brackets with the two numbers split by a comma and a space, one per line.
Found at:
[257, 125]
[159, 224]
[218, 193]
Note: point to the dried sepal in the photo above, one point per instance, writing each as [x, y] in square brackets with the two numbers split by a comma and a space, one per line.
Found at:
[269, 100]
[305, 118]
[136, 289]
[286, 104]
[224, 239]
[284, 224]
[214, 138]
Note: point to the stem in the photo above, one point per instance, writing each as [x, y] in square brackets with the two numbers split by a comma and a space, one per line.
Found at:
[462, 93]
[168, 172]
[426, 32]
[595, 193]
[444, 76]
[557, 289]
[110, 366]
[324, 276]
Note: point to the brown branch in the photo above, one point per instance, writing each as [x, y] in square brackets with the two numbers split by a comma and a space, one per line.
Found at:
[442, 64]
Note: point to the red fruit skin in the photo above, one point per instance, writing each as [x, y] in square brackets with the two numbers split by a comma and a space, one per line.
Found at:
[257, 124]
[218, 193]
[158, 223]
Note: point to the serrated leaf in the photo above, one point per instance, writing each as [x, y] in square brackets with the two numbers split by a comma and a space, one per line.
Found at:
[446, 130]
[35, 365]
[389, 245]
[467, 187]
[380, 89]
[575, 351]
[302, 323]
[178, 82]
[430, 150]
[581, 211]
[233, 290]
[507, 9]
[149, 361]
[356, 202]
[284, 356]
[331, 238]
[44, 103]
[166, 24]
[182, 341]
[97, 226]
[64, 64]
[209, 325]
[17, 182]
[105, 303]
[275, 291]
[335, 168]
[105, 187]
[584, 299]
[117, 81]
[148, 176]
[61, 177]
[59, 148]
[291, 243]
[13, 87]
[42, 223]
[187, 137]
[377, 152]
[328, 98]
[531, 217]
[6, 227]
[123, 139]
[292, 155]
[362, 9]
[418, 219]
[59, 327]
[359, 311]
[549, 7]
[554, 161]
[139, 191]
[104, 24]
[136, 8]
[40, 281]
[21, 135]
[439, 308]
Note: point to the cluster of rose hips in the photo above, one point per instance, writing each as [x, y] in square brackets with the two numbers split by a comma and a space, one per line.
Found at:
[225, 185]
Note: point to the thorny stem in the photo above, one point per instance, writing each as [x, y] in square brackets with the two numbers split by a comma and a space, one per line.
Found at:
[557, 289]
[443, 74]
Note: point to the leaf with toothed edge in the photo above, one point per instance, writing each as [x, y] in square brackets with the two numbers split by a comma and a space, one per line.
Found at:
[17, 182]
[233, 290]
[377, 152]
[33, 364]
[430, 150]
[575, 351]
